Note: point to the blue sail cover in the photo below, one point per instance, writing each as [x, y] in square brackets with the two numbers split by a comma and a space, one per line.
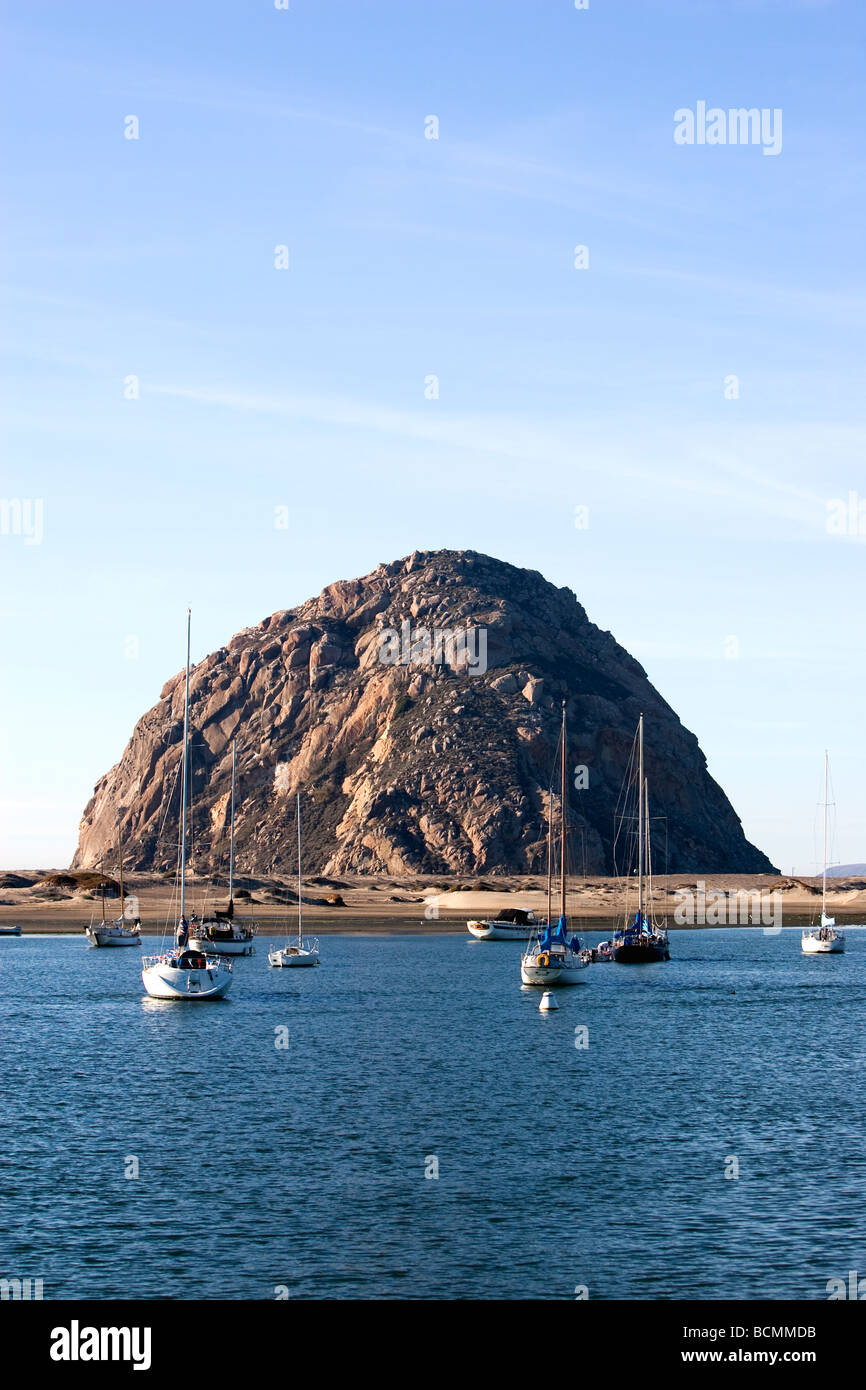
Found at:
[638, 927]
[553, 936]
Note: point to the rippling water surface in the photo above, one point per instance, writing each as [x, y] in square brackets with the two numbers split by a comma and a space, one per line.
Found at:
[558, 1166]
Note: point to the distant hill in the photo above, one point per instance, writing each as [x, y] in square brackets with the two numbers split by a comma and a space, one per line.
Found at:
[413, 768]
[846, 870]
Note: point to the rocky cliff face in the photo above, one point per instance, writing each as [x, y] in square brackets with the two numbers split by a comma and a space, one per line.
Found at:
[417, 711]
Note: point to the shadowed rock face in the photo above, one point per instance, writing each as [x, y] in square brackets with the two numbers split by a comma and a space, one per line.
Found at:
[429, 767]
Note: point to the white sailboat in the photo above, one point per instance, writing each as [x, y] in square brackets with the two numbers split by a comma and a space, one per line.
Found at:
[824, 940]
[642, 940]
[124, 932]
[303, 951]
[218, 932]
[554, 957]
[184, 973]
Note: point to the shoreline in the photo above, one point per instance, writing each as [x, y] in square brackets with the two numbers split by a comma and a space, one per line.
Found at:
[452, 928]
[59, 901]
[430, 905]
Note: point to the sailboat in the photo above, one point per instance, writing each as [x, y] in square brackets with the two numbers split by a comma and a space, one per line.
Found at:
[185, 973]
[218, 931]
[300, 952]
[824, 940]
[123, 932]
[554, 957]
[642, 940]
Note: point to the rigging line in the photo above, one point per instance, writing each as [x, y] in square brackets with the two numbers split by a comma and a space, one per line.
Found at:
[168, 804]
[173, 897]
[619, 816]
[203, 893]
[655, 920]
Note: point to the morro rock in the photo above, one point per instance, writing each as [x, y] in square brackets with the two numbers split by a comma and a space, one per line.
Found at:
[417, 710]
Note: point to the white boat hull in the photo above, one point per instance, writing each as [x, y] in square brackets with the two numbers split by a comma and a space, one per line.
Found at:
[502, 931]
[167, 981]
[293, 958]
[110, 936]
[551, 976]
[229, 947]
[814, 945]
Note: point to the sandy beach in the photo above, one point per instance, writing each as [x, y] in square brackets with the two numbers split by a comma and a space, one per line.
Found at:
[60, 901]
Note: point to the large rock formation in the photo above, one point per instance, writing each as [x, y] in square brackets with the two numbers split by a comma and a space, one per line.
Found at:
[436, 766]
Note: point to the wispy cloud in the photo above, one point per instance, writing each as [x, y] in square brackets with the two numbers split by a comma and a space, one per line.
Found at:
[716, 473]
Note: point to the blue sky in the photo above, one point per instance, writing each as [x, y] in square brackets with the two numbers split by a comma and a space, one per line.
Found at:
[304, 388]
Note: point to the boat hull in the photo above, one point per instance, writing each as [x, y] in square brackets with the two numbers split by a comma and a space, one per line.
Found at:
[601, 954]
[170, 982]
[10, 931]
[296, 960]
[814, 946]
[640, 955]
[501, 931]
[222, 948]
[103, 939]
[554, 976]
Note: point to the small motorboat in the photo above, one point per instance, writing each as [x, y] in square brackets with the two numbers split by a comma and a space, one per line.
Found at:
[512, 924]
[600, 954]
[10, 931]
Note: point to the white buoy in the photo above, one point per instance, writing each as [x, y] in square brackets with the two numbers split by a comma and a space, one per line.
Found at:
[548, 1001]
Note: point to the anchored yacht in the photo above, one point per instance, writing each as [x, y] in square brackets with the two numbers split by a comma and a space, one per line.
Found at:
[185, 973]
[555, 957]
[641, 940]
[825, 940]
[218, 932]
[303, 951]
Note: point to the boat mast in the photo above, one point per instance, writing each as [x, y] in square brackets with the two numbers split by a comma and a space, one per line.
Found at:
[232, 833]
[549, 848]
[184, 784]
[563, 823]
[649, 862]
[300, 905]
[122, 894]
[824, 870]
[640, 826]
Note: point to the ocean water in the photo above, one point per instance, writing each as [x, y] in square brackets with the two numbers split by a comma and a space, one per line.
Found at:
[303, 1168]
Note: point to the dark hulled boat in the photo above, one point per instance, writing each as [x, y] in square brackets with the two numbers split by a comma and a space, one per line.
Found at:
[640, 944]
[641, 941]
